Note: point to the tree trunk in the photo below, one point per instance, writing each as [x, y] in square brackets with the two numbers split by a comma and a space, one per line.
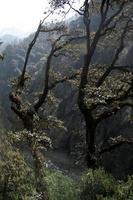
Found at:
[41, 185]
[4, 193]
[90, 142]
[38, 158]
[87, 114]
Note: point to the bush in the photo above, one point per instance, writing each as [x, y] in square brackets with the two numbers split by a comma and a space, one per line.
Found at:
[17, 181]
[16, 178]
[96, 184]
[125, 190]
[61, 187]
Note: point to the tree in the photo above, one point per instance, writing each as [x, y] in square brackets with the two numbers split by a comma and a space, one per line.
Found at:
[114, 16]
[29, 113]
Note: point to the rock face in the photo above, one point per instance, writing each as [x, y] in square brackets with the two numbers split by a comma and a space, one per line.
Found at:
[68, 112]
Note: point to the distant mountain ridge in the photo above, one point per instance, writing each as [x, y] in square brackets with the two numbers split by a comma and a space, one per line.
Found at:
[11, 36]
[14, 32]
[9, 39]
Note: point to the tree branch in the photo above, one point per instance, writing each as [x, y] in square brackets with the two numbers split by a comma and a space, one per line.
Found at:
[48, 30]
[63, 80]
[116, 56]
[21, 80]
[114, 110]
[55, 47]
[17, 112]
[125, 68]
[110, 19]
[114, 143]
[109, 29]
[77, 11]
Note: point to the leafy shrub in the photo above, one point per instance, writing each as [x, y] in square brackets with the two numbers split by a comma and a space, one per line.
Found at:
[96, 184]
[17, 181]
[16, 178]
[62, 187]
[125, 190]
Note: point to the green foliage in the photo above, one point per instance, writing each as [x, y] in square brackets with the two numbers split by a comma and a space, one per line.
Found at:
[16, 178]
[61, 187]
[96, 183]
[125, 190]
[17, 182]
[39, 140]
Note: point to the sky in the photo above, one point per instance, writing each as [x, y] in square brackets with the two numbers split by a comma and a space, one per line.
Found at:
[23, 15]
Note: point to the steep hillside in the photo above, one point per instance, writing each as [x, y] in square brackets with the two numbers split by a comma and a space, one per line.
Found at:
[66, 108]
